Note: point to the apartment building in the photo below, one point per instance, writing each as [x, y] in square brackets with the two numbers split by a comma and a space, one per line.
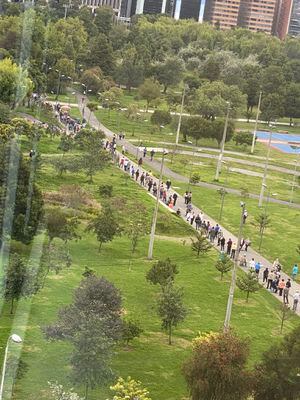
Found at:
[222, 13]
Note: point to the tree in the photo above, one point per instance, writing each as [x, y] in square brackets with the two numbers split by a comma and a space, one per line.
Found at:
[149, 91]
[276, 375]
[104, 20]
[130, 330]
[105, 226]
[130, 72]
[262, 221]
[272, 107]
[59, 393]
[224, 265]
[292, 101]
[13, 77]
[65, 144]
[284, 313]
[170, 72]
[137, 226]
[217, 368]
[196, 127]
[243, 138]
[101, 54]
[200, 244]
[4, 113]
[18, 280]
[248, 283]
[217, 130]
[130, 390]
[92, 324]
[161, 118]
[132, 112]
[170, 308]
[92, 106]
[21, 211]
[60, 226]
[93, 79]
[54, 258]
[162, 272]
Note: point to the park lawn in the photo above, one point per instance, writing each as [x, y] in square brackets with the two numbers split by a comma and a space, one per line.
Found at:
[149, 358]
[281, 237]
[63, 97]
[279, 183]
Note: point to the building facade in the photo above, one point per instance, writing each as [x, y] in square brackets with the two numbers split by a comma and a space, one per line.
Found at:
[115, 4]
[222, 13]
[258, 15]
[294, 26]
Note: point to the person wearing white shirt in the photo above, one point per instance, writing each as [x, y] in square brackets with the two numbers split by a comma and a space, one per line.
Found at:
[296, 298]
[252, 264]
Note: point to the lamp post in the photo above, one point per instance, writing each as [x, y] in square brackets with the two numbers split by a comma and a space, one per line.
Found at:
[219, 163]
[263, 183]
[263, 226]
[223, 191]
[256, 121]
[15, 339]
[154, 219]
[179, 121]
[233, 277]
[191, 169]
[294, 177]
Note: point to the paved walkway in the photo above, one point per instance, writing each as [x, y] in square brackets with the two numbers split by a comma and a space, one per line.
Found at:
[180, 204]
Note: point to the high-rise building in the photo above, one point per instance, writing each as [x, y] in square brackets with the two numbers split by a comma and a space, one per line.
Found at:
[190, 9]
[115, 4]
[222, 13]
[152, 6]
[258, 15]
[294, 27]
[283, 17]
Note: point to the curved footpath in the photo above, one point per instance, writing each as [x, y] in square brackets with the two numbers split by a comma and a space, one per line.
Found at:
[155, 165]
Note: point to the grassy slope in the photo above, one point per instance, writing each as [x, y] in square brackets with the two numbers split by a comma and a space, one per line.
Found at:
[150, 359]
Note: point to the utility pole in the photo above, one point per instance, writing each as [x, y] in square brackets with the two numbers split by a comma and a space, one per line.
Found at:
[263, 184]
[154, 219]
[233, 277]
[294, 177]
[179, 121]
[256, 121]
[219, 163]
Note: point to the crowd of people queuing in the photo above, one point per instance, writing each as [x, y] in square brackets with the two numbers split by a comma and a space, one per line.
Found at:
[271, 278]
[73, 125]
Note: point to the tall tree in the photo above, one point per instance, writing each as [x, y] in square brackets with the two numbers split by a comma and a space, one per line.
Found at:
[170, 72]
[272, 107]
[217, 130]
[149, 91]
[277, 375]
[162, 273]
[200, 244]
[105, 226]
[217, 368]
[292, 101]
[130, 72]
[101, 54]
[19, 280]
[248, 283]
[171, 308]
[224, 265]
[196, 127]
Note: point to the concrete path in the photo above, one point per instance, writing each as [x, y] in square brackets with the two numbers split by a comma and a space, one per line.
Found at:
[180, 204]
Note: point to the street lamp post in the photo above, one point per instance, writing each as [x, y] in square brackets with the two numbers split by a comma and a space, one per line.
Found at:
[154, 219]
[59, 82]
[294, 177]
[191, 169]
[223, 191]
[15, 339]
[179, 120]
[219, 163]
[263, 183]
[234, 271]
[262, 229]
[256, 121]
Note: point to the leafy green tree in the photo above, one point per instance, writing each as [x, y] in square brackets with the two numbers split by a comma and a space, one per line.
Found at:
[196, 127]
[137, 226]
[54, 258]
[171, 308]
[92, 324]
[273, 80]
[170, 72]
[149, 91]
[130, 72]
[101, 54]
[18, 280]
[59, 225]
[284, 314]
[130, 329]
[217, 368]
[129, 389]
[4, 113]
[104, 20]
[105, 226]
[161, 118]
[65, 144]
[272, 107]
[248, 283]
[200, 244]
[243, 138]
[132, 112]
[92, 106]
[262, 221]
[162, 272]
[292, 101]
[276, 375]
[224, 265]
[93, 79]
[217, 130]
[14, 83]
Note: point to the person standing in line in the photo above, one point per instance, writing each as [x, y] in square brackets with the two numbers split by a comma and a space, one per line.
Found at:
[295, 271]
[286, 291]
[137, 174]
[252, 265]
[229, 245]
[152, 152]
[281, 286]
[168, 184]
[175, 196]
[186, 197]
[140, 162]
[265, 275]
[245, 215]
[144, 152]
[222, 243]
[271, 277]
[233, 250]
[198, 222]
[247, 244]
[257, 268]
[296, 298]
[192, 219]
[142, 179]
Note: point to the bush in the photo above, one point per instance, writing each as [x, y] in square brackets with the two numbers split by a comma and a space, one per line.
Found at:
[195, 178]
[105, 190]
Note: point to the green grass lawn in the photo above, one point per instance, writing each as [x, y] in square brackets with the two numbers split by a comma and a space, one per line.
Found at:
[149, 359]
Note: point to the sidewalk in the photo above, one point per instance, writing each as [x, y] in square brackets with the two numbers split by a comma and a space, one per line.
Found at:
[180, 204]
